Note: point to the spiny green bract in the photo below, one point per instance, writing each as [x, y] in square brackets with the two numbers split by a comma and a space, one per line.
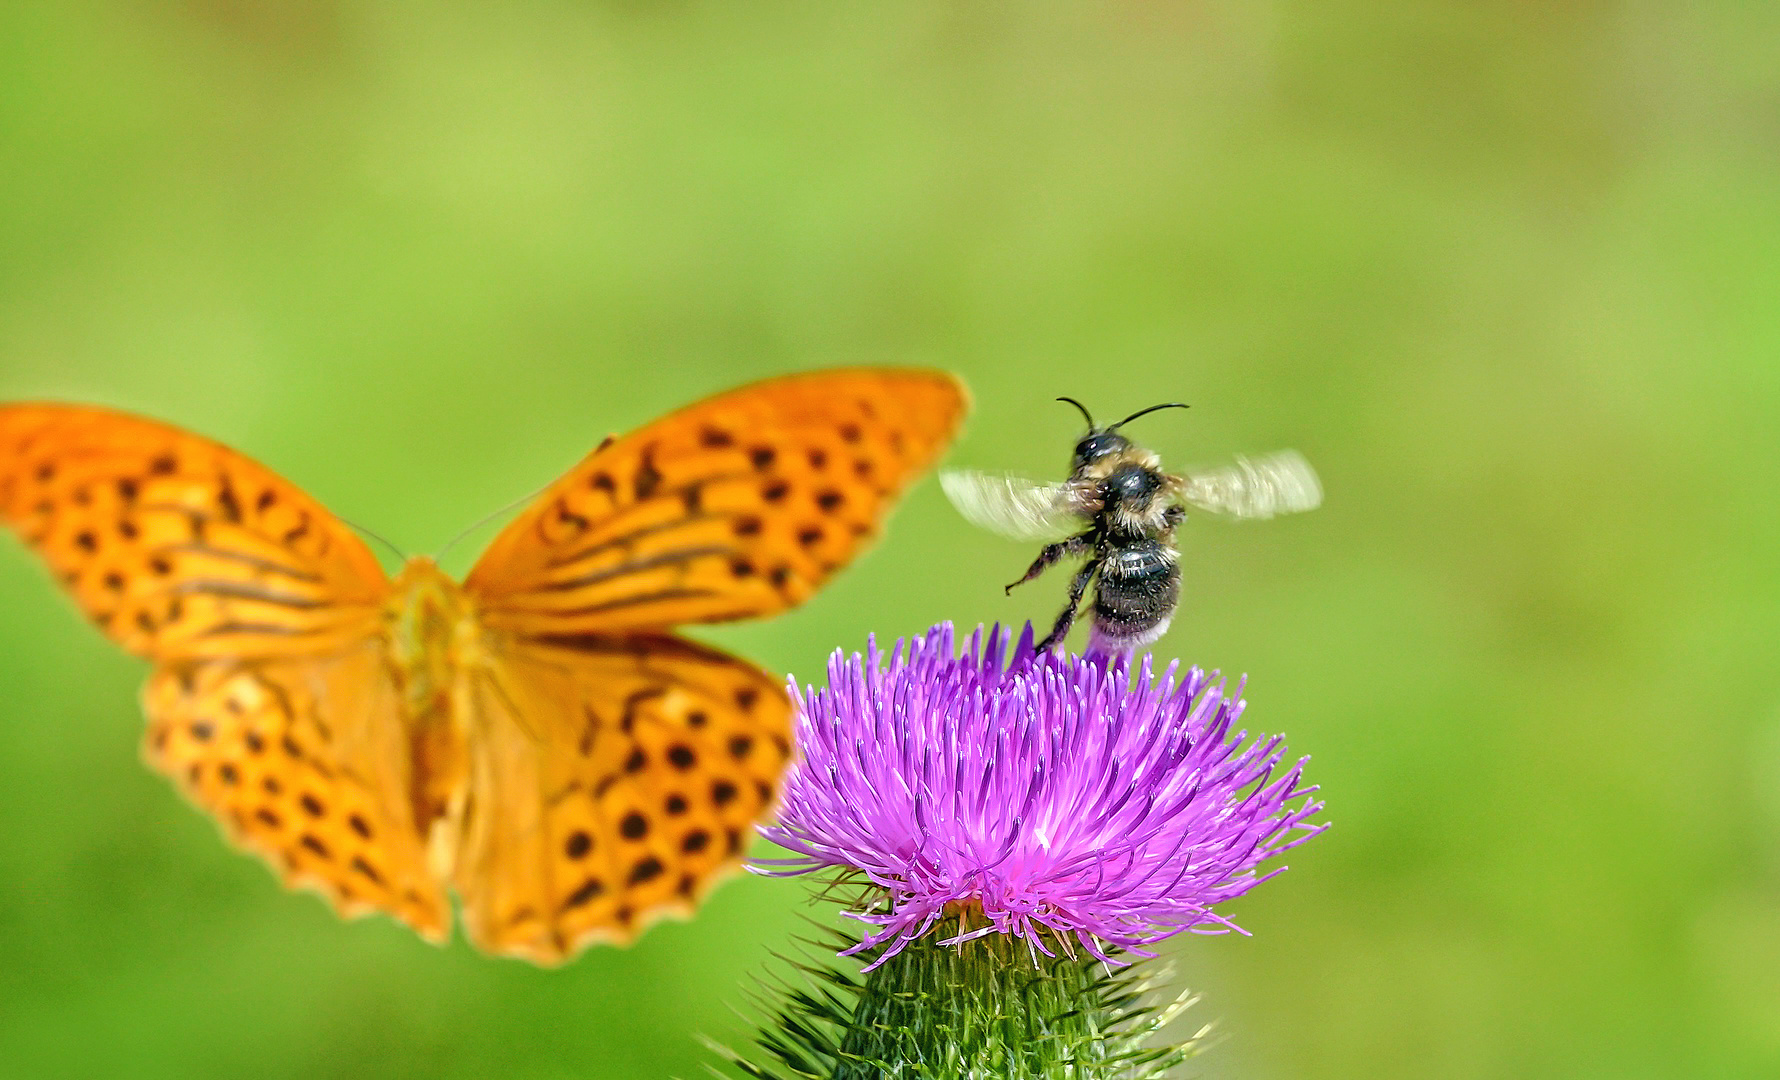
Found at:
[985, 1009]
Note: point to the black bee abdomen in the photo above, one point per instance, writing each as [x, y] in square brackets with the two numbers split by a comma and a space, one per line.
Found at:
[1139, 588]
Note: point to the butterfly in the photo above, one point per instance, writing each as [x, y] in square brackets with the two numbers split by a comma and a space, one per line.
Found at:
[536, 739]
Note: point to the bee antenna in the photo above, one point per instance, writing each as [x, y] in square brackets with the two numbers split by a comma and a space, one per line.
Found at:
[1084, 410]
[1145, 412]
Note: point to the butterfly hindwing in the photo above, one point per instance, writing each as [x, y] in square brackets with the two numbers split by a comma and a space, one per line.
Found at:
[177, 546]
[301, 763]
[739, 506]
[612, 780]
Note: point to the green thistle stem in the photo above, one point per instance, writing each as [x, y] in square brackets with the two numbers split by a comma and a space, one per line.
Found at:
[984, 1009]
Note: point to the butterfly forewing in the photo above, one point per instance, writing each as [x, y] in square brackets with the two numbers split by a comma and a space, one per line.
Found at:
[739, 506]
[612, 780]
[301, 762]
[178, 546]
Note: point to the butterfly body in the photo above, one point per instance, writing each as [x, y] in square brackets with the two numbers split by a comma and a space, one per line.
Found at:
[431, 646]
[432, 635]
[536, 740]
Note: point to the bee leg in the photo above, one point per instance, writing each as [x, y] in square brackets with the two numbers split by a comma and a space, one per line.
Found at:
[1077, 588]
[1173, 516]
[1052, 553]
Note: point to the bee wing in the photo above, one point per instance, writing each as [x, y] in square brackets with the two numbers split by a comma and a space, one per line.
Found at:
[1010, 505]
[1277, 483]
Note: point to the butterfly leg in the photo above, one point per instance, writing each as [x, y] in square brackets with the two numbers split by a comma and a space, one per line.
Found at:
[1077, 588]
[1054, 553]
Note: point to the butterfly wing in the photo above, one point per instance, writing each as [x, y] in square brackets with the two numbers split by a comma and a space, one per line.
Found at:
[739, 506]
[1267, 486]
[271, 706]
[612, 779]
[1012, 506]
[301, 763]
[179, 547]
[615, 769]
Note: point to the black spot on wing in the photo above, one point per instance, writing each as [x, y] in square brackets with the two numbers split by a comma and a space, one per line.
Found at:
[647, 478]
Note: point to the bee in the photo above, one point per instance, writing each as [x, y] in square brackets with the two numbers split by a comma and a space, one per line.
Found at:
[1130, 508]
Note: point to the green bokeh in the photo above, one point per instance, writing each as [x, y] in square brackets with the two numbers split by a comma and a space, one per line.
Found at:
[1509, 273]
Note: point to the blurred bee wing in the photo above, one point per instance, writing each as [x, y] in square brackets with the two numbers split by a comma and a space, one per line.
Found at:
[1010, 505]
[1263, 487]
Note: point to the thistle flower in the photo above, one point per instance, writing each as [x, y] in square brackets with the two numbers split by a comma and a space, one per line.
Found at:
[1016, 820]
[1058, 799]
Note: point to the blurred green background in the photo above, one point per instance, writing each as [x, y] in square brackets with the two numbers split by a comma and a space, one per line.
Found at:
[1509, 273]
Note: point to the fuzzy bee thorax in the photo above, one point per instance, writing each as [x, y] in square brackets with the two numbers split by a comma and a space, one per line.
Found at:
[1125, 489]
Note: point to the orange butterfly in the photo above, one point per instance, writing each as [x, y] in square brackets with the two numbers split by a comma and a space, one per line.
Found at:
[537, 738]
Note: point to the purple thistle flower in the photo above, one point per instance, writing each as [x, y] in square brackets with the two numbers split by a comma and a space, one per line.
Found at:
[1060, 795]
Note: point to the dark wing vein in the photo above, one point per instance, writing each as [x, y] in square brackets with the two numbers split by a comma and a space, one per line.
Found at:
[635, 566]
[621, 602]
[632, 537]
[253, 562]
[230, 590]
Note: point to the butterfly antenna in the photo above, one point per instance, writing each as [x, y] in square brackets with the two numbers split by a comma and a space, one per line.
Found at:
[485, 519]
[1084, 410]
[399, 553]
[1146, 412]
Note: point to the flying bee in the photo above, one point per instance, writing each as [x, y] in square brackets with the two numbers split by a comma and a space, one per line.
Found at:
[1131, 509]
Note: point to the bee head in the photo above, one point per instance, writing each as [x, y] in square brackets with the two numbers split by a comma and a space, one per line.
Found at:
[1096, 445]
[1099, 442]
